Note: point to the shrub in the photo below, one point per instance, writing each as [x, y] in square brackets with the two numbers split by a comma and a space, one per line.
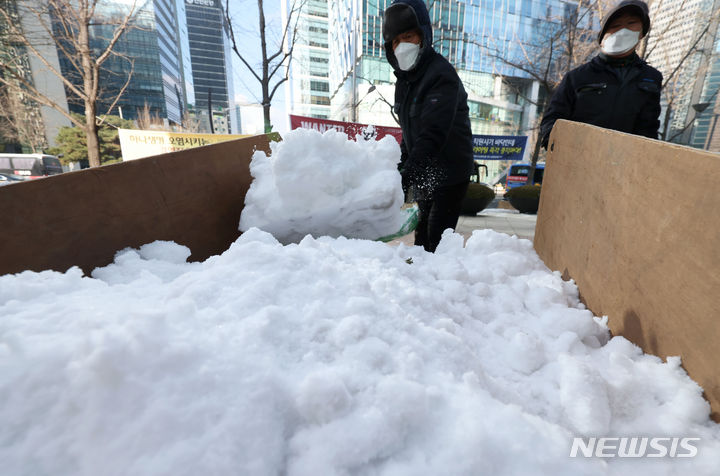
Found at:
[477, 198]
[524, 191]
[525, 198]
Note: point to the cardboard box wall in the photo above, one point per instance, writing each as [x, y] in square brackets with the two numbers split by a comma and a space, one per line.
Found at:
[636, 223]
[193, 197]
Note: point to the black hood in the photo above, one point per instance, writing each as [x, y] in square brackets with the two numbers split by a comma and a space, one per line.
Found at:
[402, 16]
[638, 6]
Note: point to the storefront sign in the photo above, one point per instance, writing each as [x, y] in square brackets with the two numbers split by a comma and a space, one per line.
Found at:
[350, 128]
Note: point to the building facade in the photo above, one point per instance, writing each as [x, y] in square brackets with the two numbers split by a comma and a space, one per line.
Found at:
[706, 133]
[481, 38]
[148, 53]
[28, 126]
[680, 46]
[210, 55]
[308, 90]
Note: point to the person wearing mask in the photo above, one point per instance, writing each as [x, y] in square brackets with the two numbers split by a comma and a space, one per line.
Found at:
[616, 89]
[431, 105]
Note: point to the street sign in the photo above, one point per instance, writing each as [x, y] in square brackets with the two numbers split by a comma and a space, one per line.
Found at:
[499, 147]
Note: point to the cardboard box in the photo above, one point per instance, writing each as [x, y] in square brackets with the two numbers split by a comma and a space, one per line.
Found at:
[193, 197]
[636, 223]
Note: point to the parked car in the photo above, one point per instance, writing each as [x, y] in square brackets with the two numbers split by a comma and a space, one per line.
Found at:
[30, 165]
[7, 179]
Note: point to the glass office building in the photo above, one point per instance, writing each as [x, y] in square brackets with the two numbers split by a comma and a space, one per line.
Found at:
[148, 52]
[485, 40]
[210, 53]
[706, 133]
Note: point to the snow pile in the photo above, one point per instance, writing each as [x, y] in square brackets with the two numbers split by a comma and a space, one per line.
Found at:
[325, 185]
[329, 357]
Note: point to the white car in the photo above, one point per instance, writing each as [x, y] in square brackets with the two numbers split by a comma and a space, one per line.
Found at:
[7, 179]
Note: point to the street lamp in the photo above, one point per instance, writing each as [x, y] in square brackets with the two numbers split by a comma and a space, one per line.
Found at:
[355, 105]
[700, 107]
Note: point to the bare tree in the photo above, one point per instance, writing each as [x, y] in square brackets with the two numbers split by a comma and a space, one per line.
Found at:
[191, 123]
[20, 121]
[68, 28]
[681, 68]
[148, 119]
[273, 68]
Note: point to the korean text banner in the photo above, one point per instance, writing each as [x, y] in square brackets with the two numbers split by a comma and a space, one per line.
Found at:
[499, 147]
[350, 128]
[136, 144]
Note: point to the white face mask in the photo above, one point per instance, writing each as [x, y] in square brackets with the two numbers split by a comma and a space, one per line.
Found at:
[620, 42]
[407, 55]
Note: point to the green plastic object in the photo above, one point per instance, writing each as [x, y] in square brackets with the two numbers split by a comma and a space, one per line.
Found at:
[411, 222]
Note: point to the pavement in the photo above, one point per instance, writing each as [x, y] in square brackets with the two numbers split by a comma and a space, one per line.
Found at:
[499, 216]
[501, 220]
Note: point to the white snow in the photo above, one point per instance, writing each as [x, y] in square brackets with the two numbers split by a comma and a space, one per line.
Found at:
[325, 185]
[332, 356]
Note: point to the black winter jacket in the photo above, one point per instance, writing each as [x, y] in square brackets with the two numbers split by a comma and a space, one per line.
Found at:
[431, 105]
[624, 99]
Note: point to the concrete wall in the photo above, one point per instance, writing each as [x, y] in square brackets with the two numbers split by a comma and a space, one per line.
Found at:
[636, 223]
[193, 197]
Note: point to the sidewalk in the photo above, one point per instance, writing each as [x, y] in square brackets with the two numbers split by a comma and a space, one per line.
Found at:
[501, 220]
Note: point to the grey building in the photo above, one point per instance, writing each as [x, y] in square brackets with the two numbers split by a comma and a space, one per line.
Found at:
[37, 125]
[210, 53]
[680, 45]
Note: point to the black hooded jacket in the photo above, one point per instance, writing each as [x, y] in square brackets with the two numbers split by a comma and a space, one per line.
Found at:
[625, 99]
[431, 104]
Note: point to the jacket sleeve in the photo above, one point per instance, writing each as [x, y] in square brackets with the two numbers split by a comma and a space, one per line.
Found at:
[403, 155]
[560, 107]
[648, 121]
[436, 119]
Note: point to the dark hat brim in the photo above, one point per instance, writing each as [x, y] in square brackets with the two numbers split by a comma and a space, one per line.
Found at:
[399, 18]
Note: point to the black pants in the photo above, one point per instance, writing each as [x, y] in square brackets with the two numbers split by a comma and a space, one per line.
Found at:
[438, 213]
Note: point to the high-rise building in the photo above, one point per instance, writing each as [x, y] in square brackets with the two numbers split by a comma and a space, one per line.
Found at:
[706, 133]
[680, 46]
[308, 92]
[36, 125]
[481, 38]
[167, 24]
[210, 53]
[148, 53]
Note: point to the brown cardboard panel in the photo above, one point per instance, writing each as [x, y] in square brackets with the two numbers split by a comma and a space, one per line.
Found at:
[193, 197]
[636, 223]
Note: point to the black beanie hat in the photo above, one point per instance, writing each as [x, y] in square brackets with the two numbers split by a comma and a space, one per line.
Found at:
[399, 18]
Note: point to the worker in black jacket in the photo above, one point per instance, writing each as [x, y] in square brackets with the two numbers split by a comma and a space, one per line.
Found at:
[431, 104]
[616, 89]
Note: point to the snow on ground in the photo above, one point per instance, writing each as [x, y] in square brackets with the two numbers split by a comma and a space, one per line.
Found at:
[332, 356]
[325, 185]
